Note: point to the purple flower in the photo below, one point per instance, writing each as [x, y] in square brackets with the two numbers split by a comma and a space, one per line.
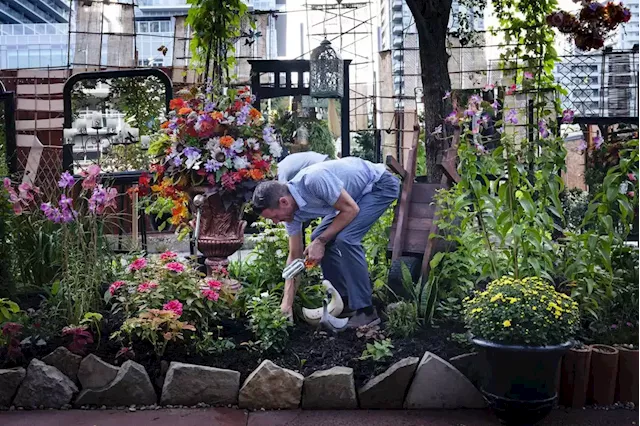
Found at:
[447, 95]
[51, 213]
[511, 116]
[241, 118]
[542, 128]
[452, 118]
[209, 106]
[173, 125]
[629, 324]
[567, 116]
[66, 180]
[102, 198]
[469, 113]
[614, 326]
[582, 146]
[268, 134]
[480, 148]
[495, 105]
[598, 141]
[476, 99]
[212, 165]
[177, 161]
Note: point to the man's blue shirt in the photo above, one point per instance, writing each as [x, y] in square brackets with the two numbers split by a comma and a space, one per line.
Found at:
[317, 188]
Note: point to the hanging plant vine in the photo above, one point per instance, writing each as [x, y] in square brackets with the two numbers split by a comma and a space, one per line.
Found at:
[215, 26]
[528, 40]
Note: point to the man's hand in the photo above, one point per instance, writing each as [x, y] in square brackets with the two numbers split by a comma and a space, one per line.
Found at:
[315, 251]
[287, 309]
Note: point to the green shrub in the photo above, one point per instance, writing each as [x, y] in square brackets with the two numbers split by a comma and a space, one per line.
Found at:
[268, 324]
[402, 319]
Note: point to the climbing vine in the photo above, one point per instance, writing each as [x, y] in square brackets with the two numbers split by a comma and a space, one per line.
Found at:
[528, 46]
[216, 25]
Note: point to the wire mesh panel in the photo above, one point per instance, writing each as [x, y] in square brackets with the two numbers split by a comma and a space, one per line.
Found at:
[602, 84]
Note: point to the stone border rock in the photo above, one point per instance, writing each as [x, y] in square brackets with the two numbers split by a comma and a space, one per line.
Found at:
[62, 380]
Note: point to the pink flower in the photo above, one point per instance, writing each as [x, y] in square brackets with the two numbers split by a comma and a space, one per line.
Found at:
[614, 326]
[90, 176]
[214, 284]
[175, 267]
[137, 264]
[512, 89]
[210, 294]
[631, 177]
[115, 286]
[168, 255]
[528, 75]
[174, 306]
[631, 194]
[146, 286]
[488, 87]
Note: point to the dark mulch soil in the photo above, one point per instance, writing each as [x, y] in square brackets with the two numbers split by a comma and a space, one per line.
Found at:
[309, 350]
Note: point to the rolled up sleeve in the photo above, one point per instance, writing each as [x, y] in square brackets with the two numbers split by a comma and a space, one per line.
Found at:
[325, 186]
[293, 228]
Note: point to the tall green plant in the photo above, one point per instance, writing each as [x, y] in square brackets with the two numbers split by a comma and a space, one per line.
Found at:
[216, 24]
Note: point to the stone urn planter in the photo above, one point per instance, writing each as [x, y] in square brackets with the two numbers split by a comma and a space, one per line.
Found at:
[627, 386]
[603, 375]
[574, 382]
[520, 381]
[221, 229]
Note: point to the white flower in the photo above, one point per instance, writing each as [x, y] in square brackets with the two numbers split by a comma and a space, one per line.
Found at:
[193, 163]
[624, 186]
[238, 145]
[253, 143]
[240, 163]
[213, 144]
[264, 294]
[275, 149]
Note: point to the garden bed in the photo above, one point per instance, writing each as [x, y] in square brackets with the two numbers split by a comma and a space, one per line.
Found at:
[309, 350]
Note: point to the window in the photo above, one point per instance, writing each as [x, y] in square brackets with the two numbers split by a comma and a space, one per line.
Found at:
[165, 26]
[143, 27]
[154, 27]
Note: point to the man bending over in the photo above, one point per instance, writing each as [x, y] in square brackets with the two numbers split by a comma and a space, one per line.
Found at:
[350, 194]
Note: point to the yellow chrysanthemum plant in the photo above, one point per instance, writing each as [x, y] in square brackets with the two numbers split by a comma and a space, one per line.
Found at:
[526, 311]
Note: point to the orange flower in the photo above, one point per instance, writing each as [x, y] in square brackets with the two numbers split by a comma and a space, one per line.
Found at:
[164, 125]
[256, 174]
[176, 103]
[179, 212]
[226, 141]
[217, 115]
[255, 114]
[184, 111]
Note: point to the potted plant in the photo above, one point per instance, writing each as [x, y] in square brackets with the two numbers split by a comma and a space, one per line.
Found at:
[219, 147]
[521, 328]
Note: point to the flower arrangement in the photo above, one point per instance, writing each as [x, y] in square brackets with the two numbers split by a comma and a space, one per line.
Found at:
[591, 25]
[224, 144]
[521, 312]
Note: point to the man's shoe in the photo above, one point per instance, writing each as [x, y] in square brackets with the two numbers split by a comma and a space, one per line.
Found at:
[346, 313]
[360, 319]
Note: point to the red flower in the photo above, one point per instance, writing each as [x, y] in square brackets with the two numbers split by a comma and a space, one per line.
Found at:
[176, 103]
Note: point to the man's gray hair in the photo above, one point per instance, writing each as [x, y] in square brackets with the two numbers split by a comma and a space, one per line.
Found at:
[267, 195]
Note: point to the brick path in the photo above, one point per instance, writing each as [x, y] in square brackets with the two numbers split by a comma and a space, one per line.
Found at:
[231, 417]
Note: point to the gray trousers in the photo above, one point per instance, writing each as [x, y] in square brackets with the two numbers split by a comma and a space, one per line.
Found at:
[344, 263]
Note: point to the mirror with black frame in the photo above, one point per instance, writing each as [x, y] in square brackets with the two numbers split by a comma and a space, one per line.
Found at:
[112, 119]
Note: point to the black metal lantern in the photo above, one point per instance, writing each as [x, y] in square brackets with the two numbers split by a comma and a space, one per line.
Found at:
[326, 72]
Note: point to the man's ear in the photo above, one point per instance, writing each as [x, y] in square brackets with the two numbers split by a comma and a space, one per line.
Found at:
[283, 202]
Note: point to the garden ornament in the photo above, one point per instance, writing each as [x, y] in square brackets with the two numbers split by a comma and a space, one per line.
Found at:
[198, 201]
[332, 306]
[328, 321]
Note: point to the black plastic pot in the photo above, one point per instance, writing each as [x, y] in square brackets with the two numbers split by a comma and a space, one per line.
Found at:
[520, 382]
